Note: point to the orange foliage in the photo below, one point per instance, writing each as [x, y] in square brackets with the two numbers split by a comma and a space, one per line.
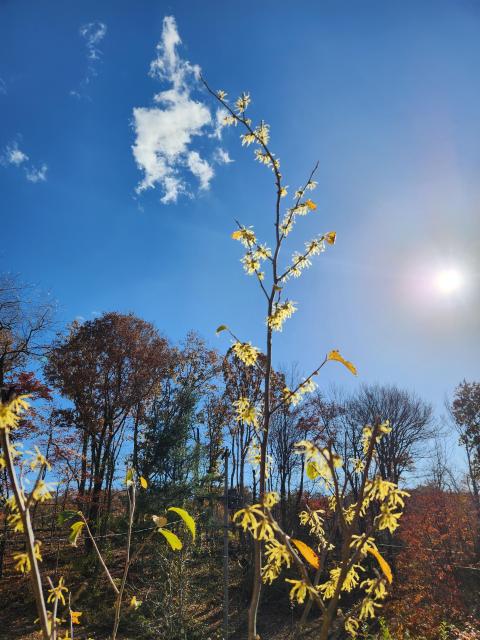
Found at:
[437, 539]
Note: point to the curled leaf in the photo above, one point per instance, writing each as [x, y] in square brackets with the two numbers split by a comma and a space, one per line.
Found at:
[335, 355]
[330, 237]
[143, 482]
[384, 566]
[160, 521]
[75, 532]
[187, 518]
[222, 327]
[308, 553]
[173, 540]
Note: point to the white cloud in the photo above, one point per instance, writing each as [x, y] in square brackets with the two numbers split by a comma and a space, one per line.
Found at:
[166, 132]
[37, 175]
[200, 168]
[221, 156]
[93, 33]
[14, 156]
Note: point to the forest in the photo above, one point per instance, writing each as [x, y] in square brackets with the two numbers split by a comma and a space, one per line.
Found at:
[156, 488]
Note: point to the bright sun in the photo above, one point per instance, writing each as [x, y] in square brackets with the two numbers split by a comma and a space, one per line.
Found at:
[449, 281]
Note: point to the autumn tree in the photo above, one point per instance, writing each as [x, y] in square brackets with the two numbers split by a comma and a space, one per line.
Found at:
[169, 417]
[105, 367]
[465, 411]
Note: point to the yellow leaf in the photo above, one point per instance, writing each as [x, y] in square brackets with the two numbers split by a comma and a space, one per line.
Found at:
[187, 518]
[308, 553]
[129, 478]
[330, 237]
[312, 470]
[222, 327]
[173, 540]
[310, 204]
[75, 532]
[160, 521]
[335, 355]
[237, 235]
[143, 482]
[75, 616]
[384, 566]
[134, 603]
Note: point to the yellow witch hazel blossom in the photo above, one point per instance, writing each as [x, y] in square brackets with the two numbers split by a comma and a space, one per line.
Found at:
[246, 411]
[294, 397]
[299, 590]
[10, 412]
[314, 520]
[351, 581]
[38, 460]
[58, 592]
[254, 520]
[242, 103]
[276, 555]
[14, 519]
[251, 264]
[367, 433]
[246, 236]
[247, 353]
[41, 493]
[281, 312]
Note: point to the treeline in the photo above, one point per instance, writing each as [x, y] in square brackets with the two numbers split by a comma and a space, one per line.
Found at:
[113, 393]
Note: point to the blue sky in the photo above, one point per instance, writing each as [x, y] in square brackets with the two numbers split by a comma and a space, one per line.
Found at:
[384, 95]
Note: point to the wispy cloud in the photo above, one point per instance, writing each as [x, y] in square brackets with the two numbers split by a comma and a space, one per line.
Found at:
[165, 133]
[92, 33]
[12, 155]
[37, 175]
[221, 156]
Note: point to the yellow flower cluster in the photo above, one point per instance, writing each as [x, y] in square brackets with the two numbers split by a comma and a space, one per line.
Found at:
[299, 590]
[281, 312]
[38, 459]
[367, 434]
[14, 518]
[242, 103]
[277, 555]
[58, 592]
[294, 397]
[351, 581]
[319, 462]
[246, 412]
[246, 236]
[254, 520]
[41, 492]
[10, 412]
[299, 263]
[314, 520]
[22, 560]
[246, 352]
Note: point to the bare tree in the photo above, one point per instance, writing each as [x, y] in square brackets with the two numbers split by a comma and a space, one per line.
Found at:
[26, 316]
[410, 418]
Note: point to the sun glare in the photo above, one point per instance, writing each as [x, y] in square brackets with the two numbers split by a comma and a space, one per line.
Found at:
[448, 281]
